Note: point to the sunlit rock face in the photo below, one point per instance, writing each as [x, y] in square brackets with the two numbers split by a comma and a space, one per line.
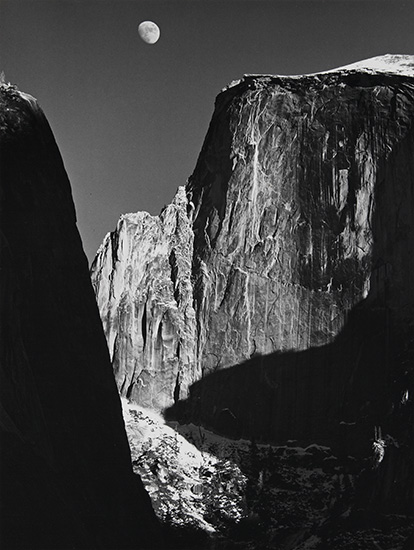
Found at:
[285, 192]
[66, 475]
[297, 211]
[142, 280]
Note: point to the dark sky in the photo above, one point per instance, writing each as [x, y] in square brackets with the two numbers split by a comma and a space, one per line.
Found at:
[130, 118]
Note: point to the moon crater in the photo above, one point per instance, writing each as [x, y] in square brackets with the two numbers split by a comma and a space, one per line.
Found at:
[149, 32]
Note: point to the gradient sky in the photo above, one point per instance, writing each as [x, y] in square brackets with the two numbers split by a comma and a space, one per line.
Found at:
[130, 118]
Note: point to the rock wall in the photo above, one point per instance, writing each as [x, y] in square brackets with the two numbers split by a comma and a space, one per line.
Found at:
[281, 205]
[286, 234]
[300, 302]
[66, 475]
[142, 280]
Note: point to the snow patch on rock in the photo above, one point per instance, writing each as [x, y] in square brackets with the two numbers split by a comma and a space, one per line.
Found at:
[187, 486]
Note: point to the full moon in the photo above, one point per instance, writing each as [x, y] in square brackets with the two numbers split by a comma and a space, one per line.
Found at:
[149, 32]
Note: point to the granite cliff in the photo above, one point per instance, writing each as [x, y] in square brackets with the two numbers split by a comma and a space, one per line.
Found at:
[66, 474]
[142, 276]
[274, 298]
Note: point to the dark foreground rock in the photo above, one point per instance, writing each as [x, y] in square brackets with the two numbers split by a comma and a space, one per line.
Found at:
[66, 476]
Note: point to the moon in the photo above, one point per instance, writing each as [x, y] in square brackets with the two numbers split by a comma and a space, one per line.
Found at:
[149, 32]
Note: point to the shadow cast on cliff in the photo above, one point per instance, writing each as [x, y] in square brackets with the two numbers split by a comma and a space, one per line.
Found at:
[338, 394]
[333, 394]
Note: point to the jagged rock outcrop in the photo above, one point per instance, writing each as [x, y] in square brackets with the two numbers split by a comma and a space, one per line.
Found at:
[66, 475]
[142, 279]
[299, 230]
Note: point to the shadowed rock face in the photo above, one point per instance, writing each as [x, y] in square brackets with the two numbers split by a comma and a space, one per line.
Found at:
[66, 477]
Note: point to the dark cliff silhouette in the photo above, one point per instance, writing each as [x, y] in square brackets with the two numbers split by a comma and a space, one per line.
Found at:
[66, 476]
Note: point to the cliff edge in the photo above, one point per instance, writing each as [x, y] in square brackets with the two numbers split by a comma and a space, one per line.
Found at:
[66, 475]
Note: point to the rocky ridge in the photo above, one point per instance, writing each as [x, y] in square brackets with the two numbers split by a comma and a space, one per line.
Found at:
[142, 280]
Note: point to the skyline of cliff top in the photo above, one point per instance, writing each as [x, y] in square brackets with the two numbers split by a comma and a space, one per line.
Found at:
[402, 64]
[389, 63]
[395, 64]
[130, 118]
